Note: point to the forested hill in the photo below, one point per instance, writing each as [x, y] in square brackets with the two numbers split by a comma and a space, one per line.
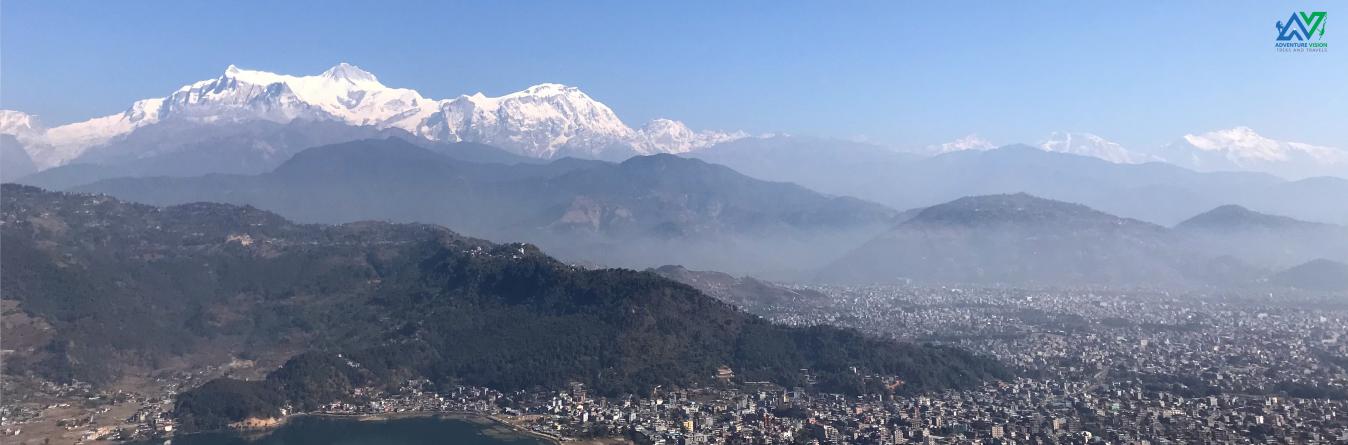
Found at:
[126, 287]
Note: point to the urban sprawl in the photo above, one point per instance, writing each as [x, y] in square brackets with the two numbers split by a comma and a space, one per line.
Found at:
[1092, 366]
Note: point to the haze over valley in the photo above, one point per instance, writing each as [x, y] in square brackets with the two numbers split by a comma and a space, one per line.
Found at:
[872, 223]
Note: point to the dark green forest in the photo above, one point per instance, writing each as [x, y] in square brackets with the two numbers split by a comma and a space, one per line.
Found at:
[126, 286]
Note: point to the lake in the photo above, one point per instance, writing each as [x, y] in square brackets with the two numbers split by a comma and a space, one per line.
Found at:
[310, 430]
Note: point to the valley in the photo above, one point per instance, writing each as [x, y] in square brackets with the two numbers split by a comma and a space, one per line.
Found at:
[658, 223]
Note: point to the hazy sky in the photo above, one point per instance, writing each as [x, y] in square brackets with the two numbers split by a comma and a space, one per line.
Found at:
[899, 73]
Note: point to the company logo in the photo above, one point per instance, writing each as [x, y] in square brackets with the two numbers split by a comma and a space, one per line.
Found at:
[1302, 32]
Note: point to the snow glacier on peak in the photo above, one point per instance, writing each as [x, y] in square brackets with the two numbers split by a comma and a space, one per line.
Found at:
[1243, 149]
[963, 143]
[19, 124]
[343, 93]
[545, 120]
[671, 136]
[539, 121]
[1087, 144]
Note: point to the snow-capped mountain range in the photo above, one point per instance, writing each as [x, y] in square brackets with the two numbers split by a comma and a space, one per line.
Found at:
[1235, 149]
[1083, 144]
[1242, 149]
[543, 121]
[1086, 144]
[963, 143]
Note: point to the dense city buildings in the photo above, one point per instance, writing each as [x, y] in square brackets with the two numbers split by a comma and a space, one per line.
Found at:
[1093, 367]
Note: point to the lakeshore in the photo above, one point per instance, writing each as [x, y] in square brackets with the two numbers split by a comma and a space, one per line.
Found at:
[400, 428]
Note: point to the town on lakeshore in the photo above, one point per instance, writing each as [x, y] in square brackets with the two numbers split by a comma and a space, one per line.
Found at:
[1138, 367]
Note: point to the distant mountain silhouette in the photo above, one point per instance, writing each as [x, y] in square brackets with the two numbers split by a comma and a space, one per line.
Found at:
[1272, 241]
[1019, 239]
[1320, 274]
[642, 212]
[1235, 217]
[187, 150]
[1154, 192]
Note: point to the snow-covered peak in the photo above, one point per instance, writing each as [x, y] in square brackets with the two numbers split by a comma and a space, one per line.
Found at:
[670, 136]
[1241, 148]
[345, 72]
[967, 142]
[538, 93]
[549, 120]
[233, 72]
[1087, 144]
[547, 89]
[1083, 144]
[18, 123]
[344, 92]
[540, 121]
[1239, 142]
[544, 120]
[669, 129]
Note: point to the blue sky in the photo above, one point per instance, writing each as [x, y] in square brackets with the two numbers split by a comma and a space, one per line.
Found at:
[904, 74]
